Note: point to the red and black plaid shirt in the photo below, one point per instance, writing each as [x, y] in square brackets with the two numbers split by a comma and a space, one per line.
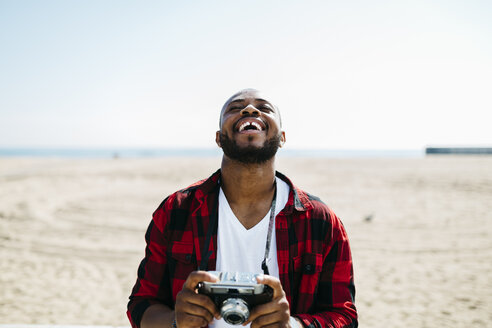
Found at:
[313, 254]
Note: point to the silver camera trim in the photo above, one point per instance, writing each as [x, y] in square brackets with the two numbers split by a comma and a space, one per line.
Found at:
[237, 307]
[243, 282]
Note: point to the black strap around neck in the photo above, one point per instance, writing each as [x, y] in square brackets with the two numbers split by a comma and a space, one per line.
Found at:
[264, 265]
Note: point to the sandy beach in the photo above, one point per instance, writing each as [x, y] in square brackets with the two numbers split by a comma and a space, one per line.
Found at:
[72, 234]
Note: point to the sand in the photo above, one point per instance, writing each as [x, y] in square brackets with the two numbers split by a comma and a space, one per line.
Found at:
[72, 234]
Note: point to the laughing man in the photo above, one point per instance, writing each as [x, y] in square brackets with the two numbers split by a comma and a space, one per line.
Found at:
[222, 224]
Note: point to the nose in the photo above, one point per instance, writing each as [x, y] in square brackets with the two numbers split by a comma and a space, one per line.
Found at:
[250, 110]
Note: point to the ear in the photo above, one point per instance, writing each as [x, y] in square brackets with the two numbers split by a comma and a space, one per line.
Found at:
[282, 138]
[217, 139]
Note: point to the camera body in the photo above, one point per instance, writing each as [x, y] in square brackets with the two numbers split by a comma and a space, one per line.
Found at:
[235, 294]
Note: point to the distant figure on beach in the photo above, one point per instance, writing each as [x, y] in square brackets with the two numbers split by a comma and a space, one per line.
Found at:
[246, 217]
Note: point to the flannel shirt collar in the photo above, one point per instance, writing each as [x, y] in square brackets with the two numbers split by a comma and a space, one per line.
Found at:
[298, 199]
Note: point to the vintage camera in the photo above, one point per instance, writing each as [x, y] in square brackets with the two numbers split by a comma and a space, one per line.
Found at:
[236, 294]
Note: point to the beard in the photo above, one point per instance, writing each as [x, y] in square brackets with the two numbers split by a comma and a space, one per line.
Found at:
[249, 154]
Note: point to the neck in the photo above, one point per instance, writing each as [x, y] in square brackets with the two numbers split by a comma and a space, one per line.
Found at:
[247, 183]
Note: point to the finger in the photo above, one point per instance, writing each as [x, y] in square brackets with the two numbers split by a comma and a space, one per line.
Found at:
[273, 282]
[199, 311]
[183, 310]
[187, 296]
[198, 276]
[256, 312]
[279, 306]
[277, 309]
[198, 299]
[265, 320]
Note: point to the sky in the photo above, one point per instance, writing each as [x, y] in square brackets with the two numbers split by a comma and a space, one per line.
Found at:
[345, 74]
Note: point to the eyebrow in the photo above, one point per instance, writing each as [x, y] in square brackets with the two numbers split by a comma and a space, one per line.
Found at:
[242, 100]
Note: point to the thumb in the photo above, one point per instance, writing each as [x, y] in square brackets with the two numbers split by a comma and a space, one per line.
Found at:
[198, 276]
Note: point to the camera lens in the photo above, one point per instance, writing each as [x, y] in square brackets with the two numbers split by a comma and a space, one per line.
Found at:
[234, 319]
[235, 311]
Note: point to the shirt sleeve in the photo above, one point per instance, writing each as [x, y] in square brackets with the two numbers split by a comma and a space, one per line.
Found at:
[334, 300]
[153, 283]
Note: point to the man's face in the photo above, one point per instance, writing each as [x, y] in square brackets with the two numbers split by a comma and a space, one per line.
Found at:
[250, 128]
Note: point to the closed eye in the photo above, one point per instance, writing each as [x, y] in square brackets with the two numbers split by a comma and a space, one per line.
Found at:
[265, 108]
[234, 108]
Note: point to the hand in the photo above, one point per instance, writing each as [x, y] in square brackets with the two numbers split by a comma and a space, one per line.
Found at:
[274, 313]
[193, 309]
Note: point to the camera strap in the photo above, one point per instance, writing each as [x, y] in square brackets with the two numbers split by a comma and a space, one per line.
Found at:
[270, 229]
[214, 218]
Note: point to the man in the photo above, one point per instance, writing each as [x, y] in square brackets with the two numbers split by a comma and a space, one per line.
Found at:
[222, 224]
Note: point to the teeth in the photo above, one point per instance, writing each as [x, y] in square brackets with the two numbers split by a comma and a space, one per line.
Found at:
[245, 124]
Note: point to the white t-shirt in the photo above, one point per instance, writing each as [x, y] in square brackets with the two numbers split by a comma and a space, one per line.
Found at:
[242, 250]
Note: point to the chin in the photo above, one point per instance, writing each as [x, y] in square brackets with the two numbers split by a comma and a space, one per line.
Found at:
[250, 153]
